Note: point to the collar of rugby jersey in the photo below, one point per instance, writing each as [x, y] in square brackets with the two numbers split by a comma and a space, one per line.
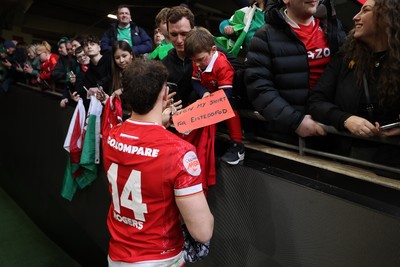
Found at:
[211, 65]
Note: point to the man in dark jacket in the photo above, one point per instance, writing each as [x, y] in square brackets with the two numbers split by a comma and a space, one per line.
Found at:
[285, 59]
[98, 76]
[126, 30]
[65, 64]
[13, 62]
[180, 21]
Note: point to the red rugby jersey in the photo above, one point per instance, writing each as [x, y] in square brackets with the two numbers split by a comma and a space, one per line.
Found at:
[147, 167]
[218, 74]
[317, 48]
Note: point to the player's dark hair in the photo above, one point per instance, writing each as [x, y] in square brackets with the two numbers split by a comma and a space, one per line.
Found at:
[142, 83]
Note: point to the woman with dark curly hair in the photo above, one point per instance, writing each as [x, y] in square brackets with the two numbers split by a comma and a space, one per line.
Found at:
[360, 89]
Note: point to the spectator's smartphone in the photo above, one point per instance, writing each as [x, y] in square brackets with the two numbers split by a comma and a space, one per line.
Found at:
[172, 87]
[389, 126]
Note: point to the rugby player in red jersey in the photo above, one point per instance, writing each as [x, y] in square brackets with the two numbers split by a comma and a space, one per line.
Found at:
[153, 178]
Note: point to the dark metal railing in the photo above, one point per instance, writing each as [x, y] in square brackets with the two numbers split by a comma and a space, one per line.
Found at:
[302, 148]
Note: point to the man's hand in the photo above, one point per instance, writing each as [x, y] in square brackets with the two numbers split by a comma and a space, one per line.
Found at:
[308, 127]
[7, 64]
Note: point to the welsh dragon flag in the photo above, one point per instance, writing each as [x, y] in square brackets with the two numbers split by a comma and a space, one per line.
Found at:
[83, 144]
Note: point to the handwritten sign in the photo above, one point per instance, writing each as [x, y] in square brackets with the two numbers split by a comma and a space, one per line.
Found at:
[206, 111]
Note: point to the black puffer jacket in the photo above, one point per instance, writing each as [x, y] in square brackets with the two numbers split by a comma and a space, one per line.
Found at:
[277, 71]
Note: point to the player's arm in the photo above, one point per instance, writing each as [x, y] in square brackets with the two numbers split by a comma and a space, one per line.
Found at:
[197, 216]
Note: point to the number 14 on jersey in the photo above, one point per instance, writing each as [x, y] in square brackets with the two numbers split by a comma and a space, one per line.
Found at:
[131, 196]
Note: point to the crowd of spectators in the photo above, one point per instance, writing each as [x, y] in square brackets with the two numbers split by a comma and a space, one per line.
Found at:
[280, 66]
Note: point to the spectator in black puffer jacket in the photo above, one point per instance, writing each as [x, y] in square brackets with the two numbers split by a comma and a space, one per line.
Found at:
[125, 29]
[285, 58]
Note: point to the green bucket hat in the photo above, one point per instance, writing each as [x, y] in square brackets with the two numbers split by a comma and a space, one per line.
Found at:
[62, 40]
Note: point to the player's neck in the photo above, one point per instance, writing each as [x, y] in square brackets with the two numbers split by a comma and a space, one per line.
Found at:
[154, 116]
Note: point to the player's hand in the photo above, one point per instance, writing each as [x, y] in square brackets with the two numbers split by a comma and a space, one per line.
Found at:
[176, 106]
[170, 100]
[167, 117]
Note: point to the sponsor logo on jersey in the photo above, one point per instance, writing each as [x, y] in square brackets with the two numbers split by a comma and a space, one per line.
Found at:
[191, 163]
[319, 53]
[141, 151]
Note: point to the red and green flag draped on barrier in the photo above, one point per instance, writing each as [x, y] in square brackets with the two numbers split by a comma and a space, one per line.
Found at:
[83, 144]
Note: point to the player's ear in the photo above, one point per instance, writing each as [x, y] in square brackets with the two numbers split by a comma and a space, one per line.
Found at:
[165, 92]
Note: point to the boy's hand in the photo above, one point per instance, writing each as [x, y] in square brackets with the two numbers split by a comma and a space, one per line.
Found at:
[206, 94]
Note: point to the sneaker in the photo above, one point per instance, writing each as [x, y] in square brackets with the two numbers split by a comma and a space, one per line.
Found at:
[234, 154]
